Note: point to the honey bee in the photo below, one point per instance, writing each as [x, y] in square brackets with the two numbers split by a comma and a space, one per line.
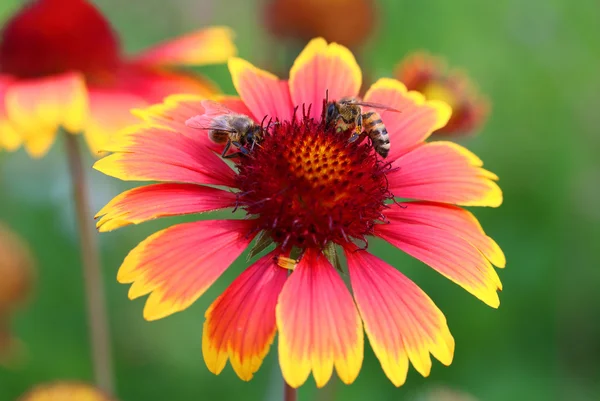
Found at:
[229, 128]
[347, 114]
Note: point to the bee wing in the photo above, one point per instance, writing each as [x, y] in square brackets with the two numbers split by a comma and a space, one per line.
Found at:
[207, 123]
[214, 108]
[376, 106]
[209, 119]
[203, 121]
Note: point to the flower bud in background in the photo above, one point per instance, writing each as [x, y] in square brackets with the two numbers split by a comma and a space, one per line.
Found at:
[347, 22]
[17, 276]
[16, 270]
[65, 391]
[431, 76]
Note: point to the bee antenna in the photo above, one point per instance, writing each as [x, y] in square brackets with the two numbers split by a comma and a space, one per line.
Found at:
[262, 123]
[326, 95]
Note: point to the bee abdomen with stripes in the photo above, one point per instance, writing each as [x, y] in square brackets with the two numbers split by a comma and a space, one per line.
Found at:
[376, 130]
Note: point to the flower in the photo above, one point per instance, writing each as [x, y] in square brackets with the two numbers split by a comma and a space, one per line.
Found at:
[431, 76]
[50, 77]
[65, 391]
[16, 270]
[309, 190]
[348, 22]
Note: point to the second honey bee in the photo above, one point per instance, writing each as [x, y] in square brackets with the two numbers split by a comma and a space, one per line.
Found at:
[347, 114]
[229, 128]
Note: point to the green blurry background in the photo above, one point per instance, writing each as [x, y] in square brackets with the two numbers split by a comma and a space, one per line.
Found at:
[539, 62]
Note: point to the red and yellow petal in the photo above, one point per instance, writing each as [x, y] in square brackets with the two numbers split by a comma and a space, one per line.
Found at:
[240, 324]
[10, 139]
[154, 84]
[446, 251]
[160, 200]
[323, 68]
[453, 219]
[444, 172]
[402, 322]
[416, 120]
[110, 112]
[153, 153]
[37, 108]
[207, 46]
[263, 93]
[177, 265]
[319, 326]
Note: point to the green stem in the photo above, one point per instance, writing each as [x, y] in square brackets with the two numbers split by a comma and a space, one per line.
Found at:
[94, 287]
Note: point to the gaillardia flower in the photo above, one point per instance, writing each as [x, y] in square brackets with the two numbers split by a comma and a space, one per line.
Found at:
[348, 22]
[65, 391]
[431, 76]
[61, 65]
[310, 191]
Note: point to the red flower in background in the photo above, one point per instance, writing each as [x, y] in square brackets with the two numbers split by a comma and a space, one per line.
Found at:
[61, 65]
[431, 76]
[305, 188]
[348, 22]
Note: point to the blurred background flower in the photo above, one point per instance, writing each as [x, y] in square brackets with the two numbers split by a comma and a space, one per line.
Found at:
[65, 391]
[16, 270]
[348, 22]
[431, 76]
[16, 282]
[443, 393]
[61, 65]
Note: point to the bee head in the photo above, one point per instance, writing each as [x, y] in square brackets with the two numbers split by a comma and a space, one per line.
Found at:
[331, 112]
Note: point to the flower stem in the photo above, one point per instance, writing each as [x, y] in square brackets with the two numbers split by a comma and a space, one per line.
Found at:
[289, 393]
[94, 288]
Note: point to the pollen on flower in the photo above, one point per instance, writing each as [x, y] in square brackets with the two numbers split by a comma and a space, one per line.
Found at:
[307, 185]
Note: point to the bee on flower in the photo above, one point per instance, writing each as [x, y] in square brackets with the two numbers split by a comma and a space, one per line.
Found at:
[61, 65]
[302, 195]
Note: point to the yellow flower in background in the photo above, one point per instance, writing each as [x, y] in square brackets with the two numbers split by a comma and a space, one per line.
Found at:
[65, 391]
[431, 76]
[61, 65]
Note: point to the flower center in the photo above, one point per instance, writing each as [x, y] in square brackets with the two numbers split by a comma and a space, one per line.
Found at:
[308, 186]
[51, 37]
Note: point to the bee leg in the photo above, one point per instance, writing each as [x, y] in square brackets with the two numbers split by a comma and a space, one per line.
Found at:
[242, 151]
[357, 129]
[226, 149]
[233, 155]
[241, 147]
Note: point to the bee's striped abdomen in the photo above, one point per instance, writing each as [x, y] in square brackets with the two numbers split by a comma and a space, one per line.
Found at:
[376, 130]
